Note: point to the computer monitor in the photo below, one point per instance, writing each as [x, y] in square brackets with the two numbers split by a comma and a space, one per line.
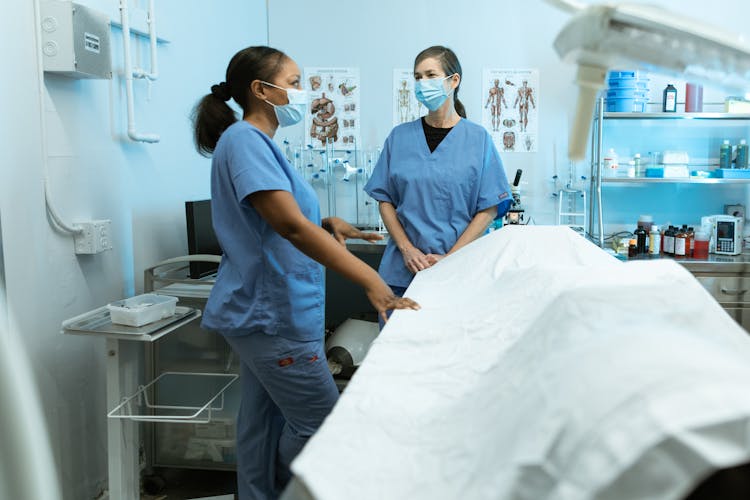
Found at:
[201, 238]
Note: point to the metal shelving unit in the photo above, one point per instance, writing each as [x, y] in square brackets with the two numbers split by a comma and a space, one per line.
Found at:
[672, 116]
[676, 180]
[595, 216]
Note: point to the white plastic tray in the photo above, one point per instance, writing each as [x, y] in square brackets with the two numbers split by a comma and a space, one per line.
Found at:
[142, 309]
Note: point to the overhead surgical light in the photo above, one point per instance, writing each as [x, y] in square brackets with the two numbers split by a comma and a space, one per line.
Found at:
[616, 36]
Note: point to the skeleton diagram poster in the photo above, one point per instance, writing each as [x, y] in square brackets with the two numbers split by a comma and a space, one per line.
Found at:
[510, 98]
[333, 116]
[406, 108]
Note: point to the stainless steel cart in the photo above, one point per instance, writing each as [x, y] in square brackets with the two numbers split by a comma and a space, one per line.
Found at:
[186, 382]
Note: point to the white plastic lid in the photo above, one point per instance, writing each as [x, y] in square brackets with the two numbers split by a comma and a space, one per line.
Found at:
[645, 218]
[654, 228]
[726, 141]
[743, 141]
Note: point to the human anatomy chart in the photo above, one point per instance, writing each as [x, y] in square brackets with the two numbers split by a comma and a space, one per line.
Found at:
[406, 108]
[510, 100]
[333, 112]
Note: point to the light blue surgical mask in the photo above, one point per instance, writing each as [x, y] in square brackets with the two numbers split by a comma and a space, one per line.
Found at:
[431, 92]
[292, 113]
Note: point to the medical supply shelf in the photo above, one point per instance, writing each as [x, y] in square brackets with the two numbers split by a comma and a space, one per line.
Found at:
[207, 441]
[675, 116]
[596, 215]
[676, 180]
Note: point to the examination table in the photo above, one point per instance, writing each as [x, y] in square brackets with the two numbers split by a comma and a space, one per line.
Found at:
[539, 367]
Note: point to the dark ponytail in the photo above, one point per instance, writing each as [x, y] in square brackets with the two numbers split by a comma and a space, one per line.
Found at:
[212, 115]
[451, 66]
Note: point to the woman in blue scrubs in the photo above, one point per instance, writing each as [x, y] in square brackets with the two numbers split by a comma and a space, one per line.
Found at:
[268, 299]
[439, 180]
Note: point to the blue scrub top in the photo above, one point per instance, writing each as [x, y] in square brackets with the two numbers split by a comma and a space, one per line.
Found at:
[436, 195]
[264, 284]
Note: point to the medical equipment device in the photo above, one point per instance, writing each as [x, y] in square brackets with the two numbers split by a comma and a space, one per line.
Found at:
[515, 214]
[727, 234]
[348, 345]
[602, 37]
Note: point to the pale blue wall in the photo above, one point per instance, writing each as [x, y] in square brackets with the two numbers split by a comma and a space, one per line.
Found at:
[94, 172]
[380, 36]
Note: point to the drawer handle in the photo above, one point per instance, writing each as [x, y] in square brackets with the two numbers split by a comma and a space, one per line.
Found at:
[732, 292]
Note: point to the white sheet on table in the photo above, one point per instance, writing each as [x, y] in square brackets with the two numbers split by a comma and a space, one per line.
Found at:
[540, 368]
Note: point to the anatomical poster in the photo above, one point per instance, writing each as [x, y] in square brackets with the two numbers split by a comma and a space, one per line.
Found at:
[333, 112]
[510, 101]
[406, 108]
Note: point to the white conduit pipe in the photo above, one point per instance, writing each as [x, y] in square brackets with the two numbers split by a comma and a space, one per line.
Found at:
[140, 72]
[125, 19]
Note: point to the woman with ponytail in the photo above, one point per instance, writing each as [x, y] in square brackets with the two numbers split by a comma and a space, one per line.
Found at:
[268, 298]
[439, 180]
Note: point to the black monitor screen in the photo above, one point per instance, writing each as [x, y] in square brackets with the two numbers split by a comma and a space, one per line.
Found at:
[201, 238]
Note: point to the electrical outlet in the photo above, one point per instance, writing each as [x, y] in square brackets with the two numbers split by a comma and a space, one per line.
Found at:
[94, 237]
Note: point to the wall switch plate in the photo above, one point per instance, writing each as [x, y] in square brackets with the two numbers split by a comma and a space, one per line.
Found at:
[94, 237]
[737, 210]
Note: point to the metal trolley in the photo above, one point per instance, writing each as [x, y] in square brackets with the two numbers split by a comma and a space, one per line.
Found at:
[170, 380]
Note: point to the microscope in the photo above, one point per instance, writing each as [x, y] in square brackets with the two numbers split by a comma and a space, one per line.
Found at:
[515, 214]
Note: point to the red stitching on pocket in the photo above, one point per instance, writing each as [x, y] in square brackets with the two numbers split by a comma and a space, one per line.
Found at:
[314, 358]
[286, 362]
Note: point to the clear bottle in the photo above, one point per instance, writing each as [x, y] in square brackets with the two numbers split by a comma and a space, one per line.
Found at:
[669, 104]
[725, 154]
[610, 164]
[654, 240]
[741, 161]
[691, 242]
[638, 165]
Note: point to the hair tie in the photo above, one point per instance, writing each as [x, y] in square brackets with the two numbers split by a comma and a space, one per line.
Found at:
[221, 91]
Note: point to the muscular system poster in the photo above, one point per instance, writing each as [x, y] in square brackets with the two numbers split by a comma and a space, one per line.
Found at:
[406, 108]
[333, 112]
[510, 100]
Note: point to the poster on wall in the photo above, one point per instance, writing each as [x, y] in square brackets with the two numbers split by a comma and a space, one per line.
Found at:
[510, 99]
[406, 108]
[333, 111]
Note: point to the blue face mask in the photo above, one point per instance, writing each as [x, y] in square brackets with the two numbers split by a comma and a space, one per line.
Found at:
[292, 113]
[431, 92]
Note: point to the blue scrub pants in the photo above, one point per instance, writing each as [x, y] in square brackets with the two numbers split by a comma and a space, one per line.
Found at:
[287, 392]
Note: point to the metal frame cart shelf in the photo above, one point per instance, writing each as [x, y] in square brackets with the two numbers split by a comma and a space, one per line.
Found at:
[201, 444]
[163, 400]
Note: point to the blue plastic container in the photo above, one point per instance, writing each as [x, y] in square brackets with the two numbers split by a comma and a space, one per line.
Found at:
[626, 100]
[628, 83]
[623, 74]
[626, 93]
[625, 105]
[732, 173]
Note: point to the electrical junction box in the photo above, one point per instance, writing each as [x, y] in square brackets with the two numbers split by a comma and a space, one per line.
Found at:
[75, 40]
[94, 236]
